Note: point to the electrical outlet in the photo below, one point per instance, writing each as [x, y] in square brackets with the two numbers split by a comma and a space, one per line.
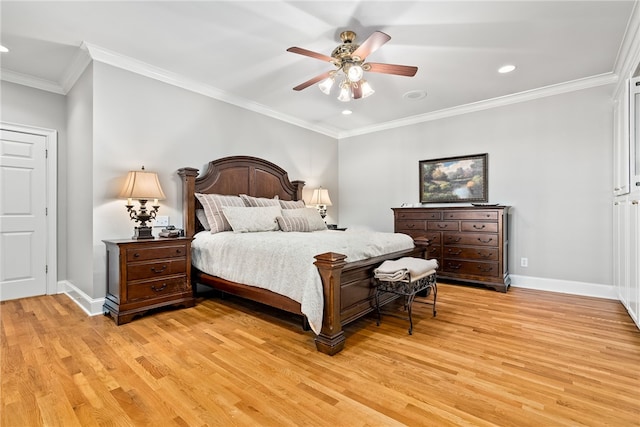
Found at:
[524, 262]
[162, 221]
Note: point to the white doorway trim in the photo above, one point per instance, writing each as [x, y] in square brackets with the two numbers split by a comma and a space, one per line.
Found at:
[51, 145]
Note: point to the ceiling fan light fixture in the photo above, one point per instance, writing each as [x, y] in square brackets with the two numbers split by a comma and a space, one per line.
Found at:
[326, 85]
[367, 90]
[354, 72]
[345, 92]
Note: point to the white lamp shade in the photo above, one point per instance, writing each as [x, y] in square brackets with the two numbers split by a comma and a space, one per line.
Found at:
[320, 197]
[142, 185]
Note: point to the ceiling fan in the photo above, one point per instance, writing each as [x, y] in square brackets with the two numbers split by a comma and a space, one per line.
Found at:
[349, 58]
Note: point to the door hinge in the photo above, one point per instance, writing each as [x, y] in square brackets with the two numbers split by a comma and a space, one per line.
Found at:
[46, 211]
[46, 269]
[46, 153]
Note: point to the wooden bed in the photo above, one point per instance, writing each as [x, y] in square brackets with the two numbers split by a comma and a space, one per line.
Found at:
[347, 287]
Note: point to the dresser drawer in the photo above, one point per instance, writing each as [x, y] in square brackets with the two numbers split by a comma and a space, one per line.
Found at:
[418, 215]
[489, 254]
[487, 227]
[471, 267]
[442, 225]
[157, 252]
[408, 225]
[151, 270]
[433, 252]
[475, 239]
[484, 215]
[156, 288]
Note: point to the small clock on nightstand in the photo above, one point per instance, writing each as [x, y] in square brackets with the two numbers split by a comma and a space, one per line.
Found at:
[147, 274]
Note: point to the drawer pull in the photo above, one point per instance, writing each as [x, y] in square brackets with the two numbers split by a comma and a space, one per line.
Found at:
[158, 289]
[455, 266]
[178, 251]
[411, 225]
[478, 228]
[455, 240]
[483, 255]
[443, 225]
[458, 252]
[160, 270]
[483, 241]
[485, 269]
[136, 255]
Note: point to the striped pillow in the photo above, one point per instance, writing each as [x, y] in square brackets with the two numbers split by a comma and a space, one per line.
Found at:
[292, 204]
[259, 202]
[293, 224]
[212, 204]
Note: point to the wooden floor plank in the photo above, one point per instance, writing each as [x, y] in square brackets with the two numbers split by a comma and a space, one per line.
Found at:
[521, 358]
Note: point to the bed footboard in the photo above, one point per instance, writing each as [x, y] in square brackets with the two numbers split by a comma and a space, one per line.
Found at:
[348, 292]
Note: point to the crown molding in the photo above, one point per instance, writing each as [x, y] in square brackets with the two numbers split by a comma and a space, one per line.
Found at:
[629, 53]
[628, 58]
[586, 83]
[31, 81]
[135, 66]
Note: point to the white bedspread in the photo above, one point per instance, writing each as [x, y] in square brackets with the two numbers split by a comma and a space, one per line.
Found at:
[283, 262]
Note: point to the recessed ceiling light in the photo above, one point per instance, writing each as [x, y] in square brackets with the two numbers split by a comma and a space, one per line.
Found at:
[414, 95]
[346, 112]
[3, 49]
[506, 69]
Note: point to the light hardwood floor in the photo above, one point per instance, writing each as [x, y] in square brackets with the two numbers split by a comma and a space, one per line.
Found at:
[524, 358]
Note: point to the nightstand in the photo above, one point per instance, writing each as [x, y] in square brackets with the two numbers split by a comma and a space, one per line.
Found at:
[147, 274]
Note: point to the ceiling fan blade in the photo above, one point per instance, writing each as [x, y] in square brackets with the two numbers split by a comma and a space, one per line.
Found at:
[371, 44]
[310, 53]
[309, 82]
[400, 70]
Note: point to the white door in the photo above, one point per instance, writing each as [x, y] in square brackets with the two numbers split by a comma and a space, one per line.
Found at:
[23, 221]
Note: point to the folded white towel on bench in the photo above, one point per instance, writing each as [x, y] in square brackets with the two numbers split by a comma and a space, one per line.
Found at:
[407, 268]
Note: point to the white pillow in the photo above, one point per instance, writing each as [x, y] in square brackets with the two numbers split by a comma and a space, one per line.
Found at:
[312, 215]
[246, 219]
[212, 204]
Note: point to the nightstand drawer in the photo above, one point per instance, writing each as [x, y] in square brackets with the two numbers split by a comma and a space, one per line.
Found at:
[157, 252]
[156, 288]
[151, 270]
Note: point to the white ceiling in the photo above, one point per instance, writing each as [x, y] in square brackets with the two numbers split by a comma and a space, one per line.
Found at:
[236, 50]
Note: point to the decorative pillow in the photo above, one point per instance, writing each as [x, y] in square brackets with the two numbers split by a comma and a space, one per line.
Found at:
[292, 204]
[202, 217]
[294, 223]
[212, 204]
[258, 202]
[245, 219]
[311, 214]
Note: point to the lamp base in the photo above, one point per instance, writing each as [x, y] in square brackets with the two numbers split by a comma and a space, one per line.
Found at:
[142, 233]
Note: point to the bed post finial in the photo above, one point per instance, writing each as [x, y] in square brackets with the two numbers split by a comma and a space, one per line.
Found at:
[188, 199]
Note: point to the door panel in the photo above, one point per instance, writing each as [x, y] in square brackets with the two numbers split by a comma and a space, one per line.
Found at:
[23, 223]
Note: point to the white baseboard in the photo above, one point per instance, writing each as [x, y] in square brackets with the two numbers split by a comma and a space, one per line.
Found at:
[564, 286]
[91, 306]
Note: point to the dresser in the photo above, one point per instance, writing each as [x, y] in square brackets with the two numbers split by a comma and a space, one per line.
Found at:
[470, 243]
[147, 274]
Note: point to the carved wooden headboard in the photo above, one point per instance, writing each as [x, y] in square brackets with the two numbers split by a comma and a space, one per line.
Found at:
[233, 176]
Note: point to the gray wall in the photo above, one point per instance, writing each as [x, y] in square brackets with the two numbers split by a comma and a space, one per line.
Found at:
[27, 106]
[140, 121]
[550, 158]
